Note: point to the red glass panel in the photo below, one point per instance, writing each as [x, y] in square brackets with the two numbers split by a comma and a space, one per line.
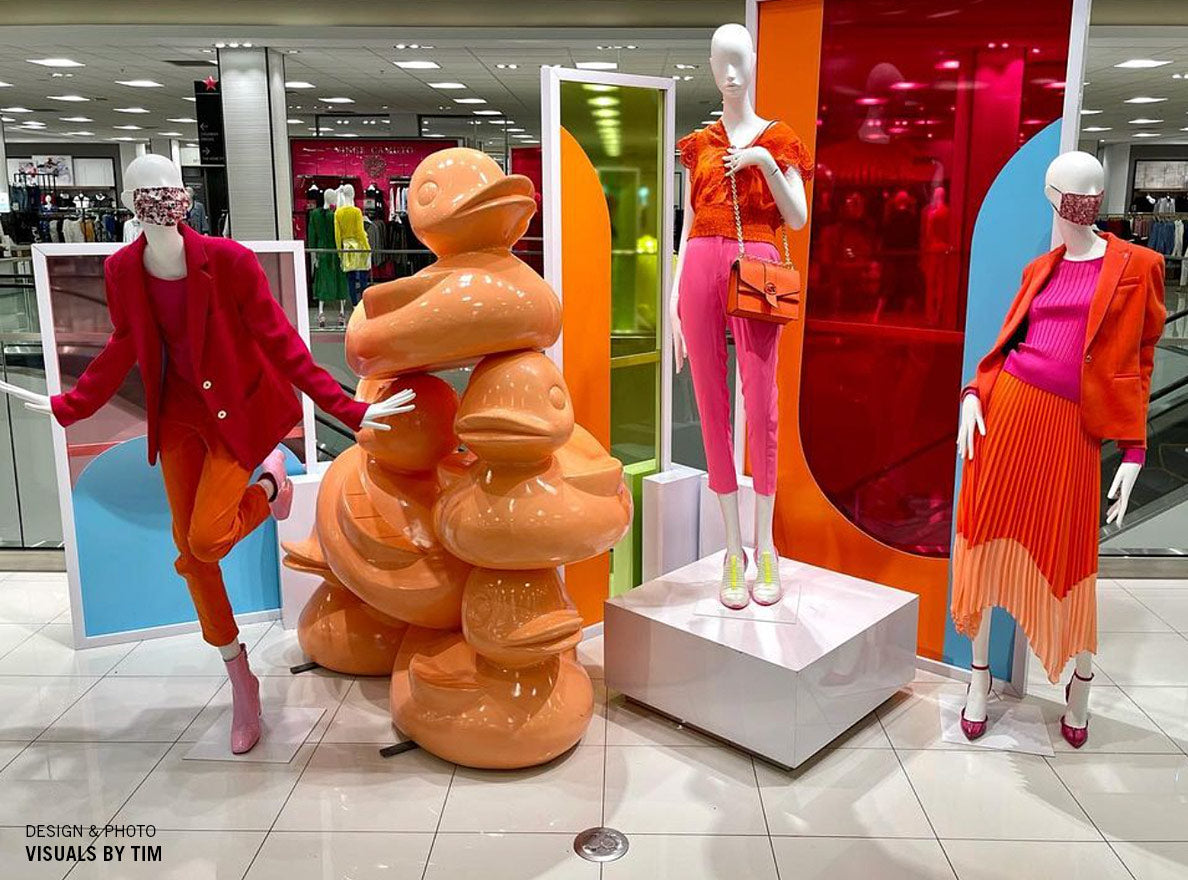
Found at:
[922, 102]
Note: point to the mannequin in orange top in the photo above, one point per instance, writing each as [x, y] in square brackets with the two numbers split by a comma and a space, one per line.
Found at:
[769, 164]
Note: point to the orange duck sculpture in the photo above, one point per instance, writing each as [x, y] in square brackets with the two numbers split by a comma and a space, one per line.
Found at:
[446, 532]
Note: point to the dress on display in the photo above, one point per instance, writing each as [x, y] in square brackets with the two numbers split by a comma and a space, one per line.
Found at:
[1064, 376]
[354, 249]
[329, 284]
[709, 253]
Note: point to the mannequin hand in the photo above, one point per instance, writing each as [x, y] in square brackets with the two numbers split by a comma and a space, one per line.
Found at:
[971, 421]
[1120, 490]
[400, 402]
[33, 401]
[736, 159]
[678, 342]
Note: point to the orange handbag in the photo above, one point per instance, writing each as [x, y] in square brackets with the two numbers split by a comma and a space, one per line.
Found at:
[759, 289]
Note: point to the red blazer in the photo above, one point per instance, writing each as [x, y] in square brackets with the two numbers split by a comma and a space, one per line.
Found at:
[246, 354]
[1126, 319]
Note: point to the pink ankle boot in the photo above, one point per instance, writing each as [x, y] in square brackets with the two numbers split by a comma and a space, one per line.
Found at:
[245, 703]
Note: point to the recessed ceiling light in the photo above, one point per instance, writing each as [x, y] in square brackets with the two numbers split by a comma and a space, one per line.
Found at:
[597, 65]
[515, 129]
[488, 113]
[1142, 120]
[184, 120]
[417, 65]
[7, 119]
[685, 66]
[82, 133]
[497, 121]
[298, 84]
[127, 127]
[171, 134]
[220, 45]
[4, 85]
[139, 83]
[1097, 128]
[605, 112]
[598, 87]
[434, 135]
[1146, 134]
[604, 101]
[55, 62]
[470, 100]
[1143, 99]
[347, 134]
[508, 66]
[337, 100]
[125, 138]
[189, 98]
[15, 110]
[446, 85]
[294, 121]
[706, 122]
[191, 145]
[74, 99]
[129, 110]
[76, 119]
[715, 113]
[33, 123]
[1089, 112]
[1141, 63]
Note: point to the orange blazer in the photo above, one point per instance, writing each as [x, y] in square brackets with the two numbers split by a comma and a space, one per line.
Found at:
[1126, 319]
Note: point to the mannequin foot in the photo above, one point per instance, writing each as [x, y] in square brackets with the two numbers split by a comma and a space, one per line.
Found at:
[245, 703]
[1074, 723]
[973, 714]
[321, 322]
[767, 589]
[281, 500]
[733, 593]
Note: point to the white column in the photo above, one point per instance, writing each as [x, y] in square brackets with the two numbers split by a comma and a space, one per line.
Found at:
[4, 196]
[167, 147]
[128, 152]
[1116, 159]
[252, 85]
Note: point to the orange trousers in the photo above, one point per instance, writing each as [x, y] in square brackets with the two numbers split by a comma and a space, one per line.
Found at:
[213, 505]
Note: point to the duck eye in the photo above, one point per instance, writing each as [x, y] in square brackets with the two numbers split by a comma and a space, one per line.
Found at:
[427, 192]
[557, 396]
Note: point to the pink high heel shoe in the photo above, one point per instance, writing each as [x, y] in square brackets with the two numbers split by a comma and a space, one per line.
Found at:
[1074, 736]
[245, 703]
[282, 501]
[974, 729]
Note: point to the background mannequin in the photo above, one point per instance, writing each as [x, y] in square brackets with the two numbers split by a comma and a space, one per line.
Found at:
[1077, 175]
[732, 59]
[208, 486]
[329, 284]
[354, 249]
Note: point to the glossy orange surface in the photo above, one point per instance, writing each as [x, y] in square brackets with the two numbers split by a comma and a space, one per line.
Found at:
[339, 631]
[486, 673]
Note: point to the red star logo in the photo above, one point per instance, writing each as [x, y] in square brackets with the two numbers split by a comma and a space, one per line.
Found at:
[211, 83]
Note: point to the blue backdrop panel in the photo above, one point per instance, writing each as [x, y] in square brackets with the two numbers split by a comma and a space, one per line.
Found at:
[1014, 226]
[126, 553]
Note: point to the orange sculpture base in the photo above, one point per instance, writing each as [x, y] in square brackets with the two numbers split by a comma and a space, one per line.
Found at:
[461, 546]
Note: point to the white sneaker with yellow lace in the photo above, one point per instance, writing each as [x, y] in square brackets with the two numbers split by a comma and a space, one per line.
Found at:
[767, 589]
[734, 582]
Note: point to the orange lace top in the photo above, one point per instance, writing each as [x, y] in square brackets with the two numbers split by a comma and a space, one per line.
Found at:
[713, 214]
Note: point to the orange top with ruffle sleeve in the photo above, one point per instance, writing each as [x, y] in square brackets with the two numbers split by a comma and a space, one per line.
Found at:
[713, 214]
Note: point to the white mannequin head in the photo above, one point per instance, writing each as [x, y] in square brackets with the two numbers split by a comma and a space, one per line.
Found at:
[149, 170]
[1073, 172]
[346, 195]
[330, 197]
[732, 60]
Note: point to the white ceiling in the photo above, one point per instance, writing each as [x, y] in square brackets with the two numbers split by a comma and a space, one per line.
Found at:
[1109, 87]
[339, 67]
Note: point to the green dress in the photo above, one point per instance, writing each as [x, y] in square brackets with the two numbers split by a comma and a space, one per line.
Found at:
[329, 281]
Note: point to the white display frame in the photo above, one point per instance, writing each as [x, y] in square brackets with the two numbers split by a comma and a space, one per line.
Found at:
[41, 254]
[550, 105]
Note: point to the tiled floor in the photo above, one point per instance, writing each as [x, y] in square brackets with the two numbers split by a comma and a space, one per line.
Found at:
[95, 736]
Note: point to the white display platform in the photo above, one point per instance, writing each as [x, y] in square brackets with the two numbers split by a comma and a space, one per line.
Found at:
[297, 586]
[778, 689]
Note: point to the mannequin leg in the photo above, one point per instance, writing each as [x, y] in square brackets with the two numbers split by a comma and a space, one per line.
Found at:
[764, 519]
[230, 650]
[979, 682]
[1076, 714]
[728, 501]
[321, 314]
[341, 313]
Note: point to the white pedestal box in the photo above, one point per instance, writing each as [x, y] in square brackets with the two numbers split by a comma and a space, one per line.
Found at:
[777, 688]
[296, 586]
[671, 520]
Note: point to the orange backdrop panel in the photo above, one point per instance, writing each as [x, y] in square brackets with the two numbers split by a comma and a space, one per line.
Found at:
[807, 525]
[585, 333]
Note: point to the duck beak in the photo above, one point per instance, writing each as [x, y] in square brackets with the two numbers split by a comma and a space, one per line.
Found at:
[503, 423]
[551, 629]
[512, 190]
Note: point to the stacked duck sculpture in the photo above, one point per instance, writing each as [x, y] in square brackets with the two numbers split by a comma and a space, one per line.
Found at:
[440, 541]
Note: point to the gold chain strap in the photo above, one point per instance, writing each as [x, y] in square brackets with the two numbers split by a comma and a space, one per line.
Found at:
[738, 224]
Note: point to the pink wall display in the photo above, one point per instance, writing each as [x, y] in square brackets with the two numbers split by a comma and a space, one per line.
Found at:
[371, 160]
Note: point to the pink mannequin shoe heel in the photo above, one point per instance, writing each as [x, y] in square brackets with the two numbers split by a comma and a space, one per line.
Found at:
[1074, 736]
[974, 729]
[733, 592]
[245, 703]
[282, 501]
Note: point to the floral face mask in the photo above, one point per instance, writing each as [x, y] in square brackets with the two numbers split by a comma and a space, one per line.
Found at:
[161, 205]
[1079, 208]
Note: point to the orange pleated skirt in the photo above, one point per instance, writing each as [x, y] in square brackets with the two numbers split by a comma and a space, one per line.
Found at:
[1027, 523]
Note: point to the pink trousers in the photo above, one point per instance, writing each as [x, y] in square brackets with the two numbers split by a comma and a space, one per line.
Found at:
[702, 304]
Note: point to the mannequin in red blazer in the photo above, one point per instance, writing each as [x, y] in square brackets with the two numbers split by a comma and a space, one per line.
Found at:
[219, 360]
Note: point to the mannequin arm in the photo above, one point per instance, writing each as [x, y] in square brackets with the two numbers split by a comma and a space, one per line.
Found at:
[1120, 489]
[971, 423]
[32, 400]
[678, 335]
[786, 189]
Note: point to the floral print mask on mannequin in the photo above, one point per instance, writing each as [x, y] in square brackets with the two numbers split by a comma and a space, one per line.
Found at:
[161, 205]
[1079, 208]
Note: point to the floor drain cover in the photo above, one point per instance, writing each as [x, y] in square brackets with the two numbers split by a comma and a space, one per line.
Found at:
[601, 844]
